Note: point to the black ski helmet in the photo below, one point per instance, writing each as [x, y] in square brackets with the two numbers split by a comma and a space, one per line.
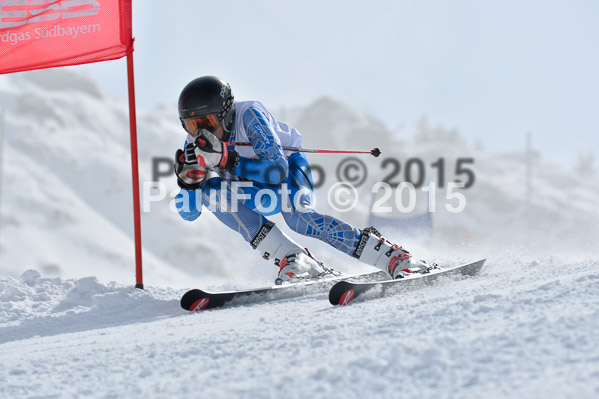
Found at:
[207, 101]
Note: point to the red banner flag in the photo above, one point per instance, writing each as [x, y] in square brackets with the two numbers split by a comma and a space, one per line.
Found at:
[36, 34]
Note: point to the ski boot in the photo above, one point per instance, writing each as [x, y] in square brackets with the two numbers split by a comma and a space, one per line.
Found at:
[295, 263]
[377, 251]
[300, 266]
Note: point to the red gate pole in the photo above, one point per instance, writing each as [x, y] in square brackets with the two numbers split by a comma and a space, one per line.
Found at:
[135, 174]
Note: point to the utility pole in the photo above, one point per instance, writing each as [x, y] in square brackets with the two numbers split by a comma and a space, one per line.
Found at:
[528, 207]
[529, 155]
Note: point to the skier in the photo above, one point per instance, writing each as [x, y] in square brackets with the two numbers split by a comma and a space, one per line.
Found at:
[231, 181]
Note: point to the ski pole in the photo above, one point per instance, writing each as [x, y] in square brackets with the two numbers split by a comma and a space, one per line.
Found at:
[375, 152]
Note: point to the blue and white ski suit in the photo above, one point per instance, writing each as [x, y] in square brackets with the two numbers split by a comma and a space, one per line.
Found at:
[265, 166]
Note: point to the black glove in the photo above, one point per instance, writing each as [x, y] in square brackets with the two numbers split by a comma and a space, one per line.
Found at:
[214, 152]
[190, 173]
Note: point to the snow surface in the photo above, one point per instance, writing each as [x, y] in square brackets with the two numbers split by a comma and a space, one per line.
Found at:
[520, 329]
[71, 325]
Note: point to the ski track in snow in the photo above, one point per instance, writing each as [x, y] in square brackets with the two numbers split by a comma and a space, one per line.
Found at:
[520, 329]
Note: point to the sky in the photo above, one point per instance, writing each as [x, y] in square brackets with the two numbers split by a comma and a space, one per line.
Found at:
[493, 70]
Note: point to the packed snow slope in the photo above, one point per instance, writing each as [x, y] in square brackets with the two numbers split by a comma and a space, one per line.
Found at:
[522, 329]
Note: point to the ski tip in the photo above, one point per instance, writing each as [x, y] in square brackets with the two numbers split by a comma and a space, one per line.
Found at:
[346, 298]
[200, 304]
[342, 293]
[194, 301]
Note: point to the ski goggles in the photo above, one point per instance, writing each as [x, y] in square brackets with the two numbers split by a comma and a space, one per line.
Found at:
[194, 125]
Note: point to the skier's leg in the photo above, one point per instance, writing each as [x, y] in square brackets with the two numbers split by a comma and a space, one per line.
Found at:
[302, 218]
[294, 262]
[367, 245]
[218, 197]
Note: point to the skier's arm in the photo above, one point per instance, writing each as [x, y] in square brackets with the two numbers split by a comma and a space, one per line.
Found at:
[271, 166]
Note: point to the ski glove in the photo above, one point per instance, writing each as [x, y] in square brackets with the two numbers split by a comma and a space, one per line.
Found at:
[215, 153]
[190, 171]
